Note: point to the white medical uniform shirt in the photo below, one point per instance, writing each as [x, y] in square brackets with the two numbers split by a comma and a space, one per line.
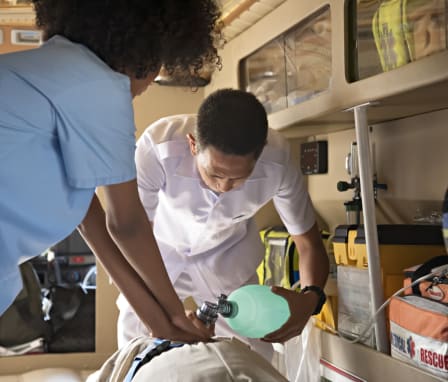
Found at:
[66, 126]
[212, 237]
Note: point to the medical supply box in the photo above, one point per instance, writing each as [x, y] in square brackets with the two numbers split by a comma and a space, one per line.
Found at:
[400, 246]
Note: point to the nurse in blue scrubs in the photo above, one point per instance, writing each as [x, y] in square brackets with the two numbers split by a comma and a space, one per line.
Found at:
[67, 128]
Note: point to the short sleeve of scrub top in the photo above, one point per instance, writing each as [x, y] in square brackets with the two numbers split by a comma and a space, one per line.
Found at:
[292, 201]
[151, 176]
[93, 112]
[96, 134]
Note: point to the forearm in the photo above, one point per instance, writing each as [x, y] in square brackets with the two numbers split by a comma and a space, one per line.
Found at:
[134, 237]
[313, 259]
[93, 230]
[313, 267]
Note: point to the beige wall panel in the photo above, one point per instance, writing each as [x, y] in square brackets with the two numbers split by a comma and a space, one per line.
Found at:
[327, 200]
[409, 155]
[161, 101]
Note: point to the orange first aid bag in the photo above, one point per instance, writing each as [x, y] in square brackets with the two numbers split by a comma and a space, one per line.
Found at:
[435, 287]
[419, 333]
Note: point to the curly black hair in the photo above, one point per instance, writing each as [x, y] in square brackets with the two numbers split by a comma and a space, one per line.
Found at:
[232, 121]
[136, 37]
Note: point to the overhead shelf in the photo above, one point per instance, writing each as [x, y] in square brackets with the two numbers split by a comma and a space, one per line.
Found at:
[417, 88]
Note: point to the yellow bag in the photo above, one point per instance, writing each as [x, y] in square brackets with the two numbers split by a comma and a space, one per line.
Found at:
[281, 261]
[407, 30]
[390, 32]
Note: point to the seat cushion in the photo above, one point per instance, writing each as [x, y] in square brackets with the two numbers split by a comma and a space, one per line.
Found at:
[45, 375]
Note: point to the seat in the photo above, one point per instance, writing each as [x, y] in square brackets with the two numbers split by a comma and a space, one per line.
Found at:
[47, 375]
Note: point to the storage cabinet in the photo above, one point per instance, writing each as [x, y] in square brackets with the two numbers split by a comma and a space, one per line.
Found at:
[356, 76]
[386, 35]
[263, 73]
[292, 68]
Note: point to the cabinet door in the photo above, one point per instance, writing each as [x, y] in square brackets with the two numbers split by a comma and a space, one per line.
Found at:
[385, 35]
[263, 74]
[293, 67]
[308, 57]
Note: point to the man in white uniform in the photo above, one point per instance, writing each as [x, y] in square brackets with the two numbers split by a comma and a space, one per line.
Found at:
[201, 180]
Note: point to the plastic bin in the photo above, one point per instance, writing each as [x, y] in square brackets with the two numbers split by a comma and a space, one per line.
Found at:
[400, 245]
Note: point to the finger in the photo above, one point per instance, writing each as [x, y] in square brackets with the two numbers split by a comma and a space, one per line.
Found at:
[285, 293]
[282, 334]
[198, 326]
[281, 337]
[206, 329]
[186, 323]
[199, 333]
[176, 334]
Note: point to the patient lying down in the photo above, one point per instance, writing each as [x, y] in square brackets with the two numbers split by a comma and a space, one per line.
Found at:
[220, 361]
[223, 360]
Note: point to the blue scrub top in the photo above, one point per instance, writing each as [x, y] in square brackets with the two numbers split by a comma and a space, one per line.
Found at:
[66, 127]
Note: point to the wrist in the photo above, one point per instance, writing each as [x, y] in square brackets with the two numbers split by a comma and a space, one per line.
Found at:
[320, 295]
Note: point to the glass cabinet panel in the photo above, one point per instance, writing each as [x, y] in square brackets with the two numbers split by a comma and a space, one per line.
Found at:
[263, 74]
[385, 35]
[308, 57]
[292, 68]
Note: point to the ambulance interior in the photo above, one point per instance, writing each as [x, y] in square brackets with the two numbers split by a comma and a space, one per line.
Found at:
[367, 125]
